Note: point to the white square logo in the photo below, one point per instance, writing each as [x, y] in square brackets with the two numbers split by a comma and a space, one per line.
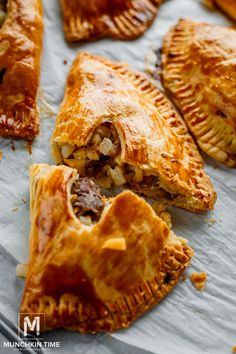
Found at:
[31, 324]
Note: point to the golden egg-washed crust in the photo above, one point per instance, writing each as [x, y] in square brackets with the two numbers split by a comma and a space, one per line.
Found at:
[199, 72]
[77, 283]
[122, 19]
[152, 134]
[20, 50]
[228, 6]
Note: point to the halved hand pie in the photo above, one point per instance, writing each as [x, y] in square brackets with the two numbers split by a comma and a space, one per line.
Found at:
[123, 19]
[199, 71]
[116, 126]
[21, 35]
[99, 277]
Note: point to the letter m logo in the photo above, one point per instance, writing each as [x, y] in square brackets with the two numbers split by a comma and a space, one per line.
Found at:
[31, 326]
[30, 323]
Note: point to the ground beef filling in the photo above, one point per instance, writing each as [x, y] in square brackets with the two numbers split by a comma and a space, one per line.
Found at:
[3, 11]
[101, 159]
[86, 200]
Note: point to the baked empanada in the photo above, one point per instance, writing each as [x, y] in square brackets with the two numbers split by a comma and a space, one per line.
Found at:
[99, 277]
[21, 35]
[199, 72]
[122, 19]
[116, 126]
[228, 6]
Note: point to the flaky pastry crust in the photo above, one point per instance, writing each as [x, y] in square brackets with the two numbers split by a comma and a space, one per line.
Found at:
[121, 19]
[20, 50]
[76, 282]
[153, 136]
[199, 72]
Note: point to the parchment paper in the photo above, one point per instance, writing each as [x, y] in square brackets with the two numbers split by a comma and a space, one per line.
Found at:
[187, 321]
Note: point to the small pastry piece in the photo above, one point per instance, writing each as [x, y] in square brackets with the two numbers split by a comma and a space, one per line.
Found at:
[199, 72]
[199, 280]
[122, 19]
[21, 35]
[99, 277]
[21, 270]
[116, 126]
[228, 6]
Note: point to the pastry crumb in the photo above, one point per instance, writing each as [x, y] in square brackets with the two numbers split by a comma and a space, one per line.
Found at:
[13, 146]
[182, 278]
[234, 349]
[65, 62]
[30, 146]
[14, 209]
[210, 222]
[0, 155]
[199, 280]
[21, 270]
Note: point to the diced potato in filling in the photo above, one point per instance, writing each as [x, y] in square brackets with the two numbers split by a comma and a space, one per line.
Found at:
[101, 160]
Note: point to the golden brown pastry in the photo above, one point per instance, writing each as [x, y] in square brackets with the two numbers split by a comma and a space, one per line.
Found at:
[122, 19]
[101, 276]
[199, 72]
[228, 6]
[21, 35]
[116, 126]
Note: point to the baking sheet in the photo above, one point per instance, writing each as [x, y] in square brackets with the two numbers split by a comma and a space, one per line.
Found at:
[186, 321]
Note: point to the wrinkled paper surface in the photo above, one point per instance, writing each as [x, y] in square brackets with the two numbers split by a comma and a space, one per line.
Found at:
[187, 321]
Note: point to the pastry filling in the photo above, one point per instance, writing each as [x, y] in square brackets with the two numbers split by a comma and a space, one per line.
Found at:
[3, 11]
[101, 159]
[87, 200]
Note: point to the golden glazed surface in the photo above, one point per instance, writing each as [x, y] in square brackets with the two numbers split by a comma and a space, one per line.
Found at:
[123, 19]
[80, 276]
[20, 50]
[153, 136]
[199, 71]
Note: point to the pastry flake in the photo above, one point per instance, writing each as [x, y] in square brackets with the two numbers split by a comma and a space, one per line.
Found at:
[199, 280]
[21, 35]
[116, 126]
[199, 72]
[72, 279]
[121, 19]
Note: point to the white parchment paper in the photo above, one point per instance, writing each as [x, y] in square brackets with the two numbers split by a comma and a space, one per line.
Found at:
[186, 322]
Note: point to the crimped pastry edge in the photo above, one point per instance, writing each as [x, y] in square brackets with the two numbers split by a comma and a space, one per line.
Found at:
[122, 28]
[184, 95]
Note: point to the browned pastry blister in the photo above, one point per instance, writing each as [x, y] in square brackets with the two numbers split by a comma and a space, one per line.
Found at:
[116, 126]
[121, 19]
[21, 35]
[199, 72]
[102, 276]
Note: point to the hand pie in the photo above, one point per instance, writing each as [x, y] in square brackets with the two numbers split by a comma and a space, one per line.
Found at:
[122, 19]
[99, 277]
[116, 126]
[228, 6]
[21, 35]
[199, 71]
